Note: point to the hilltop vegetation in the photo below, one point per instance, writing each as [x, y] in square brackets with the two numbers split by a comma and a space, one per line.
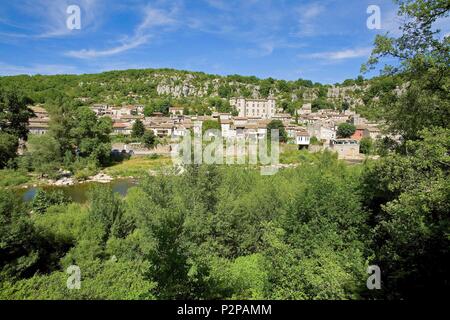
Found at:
[159, 88]
[220, 232]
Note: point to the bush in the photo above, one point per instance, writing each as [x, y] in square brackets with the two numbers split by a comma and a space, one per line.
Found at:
[277, 125]
[8, 148]
[314, 141]
[345, 130]
[366, 145]
[84, 168]
[149, 139]
[45, 199]
[154, 156]
[9, 178]
[43, 155]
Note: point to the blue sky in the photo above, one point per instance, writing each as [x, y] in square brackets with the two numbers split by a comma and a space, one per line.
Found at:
[324, 41]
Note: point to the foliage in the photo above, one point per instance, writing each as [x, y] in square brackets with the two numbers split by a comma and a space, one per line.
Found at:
[408, 196]
[83, 168]
[14, 113]
[208, 239]
[138, 129]
[45, 199]
[80, 133]
[17, 254]
[366, 145]
[210, 125]
[345, 130]
[23, 250]
[277, 125]
[149, 139]
[99, 281]
[8, 148]
[321, 103]
[91, 135]
[314, 141]
[220, 105]
[9, 178]
[291, 154]
[43, 154]
[421, 99]
[63, 222]
[157, 105]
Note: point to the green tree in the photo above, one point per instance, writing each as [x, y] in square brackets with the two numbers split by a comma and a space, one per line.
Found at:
[18, 254]
[106, 208]
[62, 120]
[224, 91]
[210, 125]
[421, 101]
[277, 125]
[321, 103]
[121, 280]
[138, 129]
[14, 113]
[8, 148]
[266, 87]
[149, 139]
[408, 197]
[43, 200]
[345, 130]
[90, 135]
[43, 154]
[220, 105]
[366, 145]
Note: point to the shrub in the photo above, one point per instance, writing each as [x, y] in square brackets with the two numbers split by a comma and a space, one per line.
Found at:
[45, 199]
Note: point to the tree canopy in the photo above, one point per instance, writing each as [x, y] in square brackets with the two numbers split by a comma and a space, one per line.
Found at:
[345, 130]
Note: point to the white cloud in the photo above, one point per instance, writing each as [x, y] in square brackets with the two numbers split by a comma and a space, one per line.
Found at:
[51, 16]
[307, 15]
[310, 11]
[156, 17]
[91, 53]
[152, 18]
[391, 22]
[339, 55]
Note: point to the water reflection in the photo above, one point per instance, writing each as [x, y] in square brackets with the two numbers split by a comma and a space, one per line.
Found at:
[79, 192]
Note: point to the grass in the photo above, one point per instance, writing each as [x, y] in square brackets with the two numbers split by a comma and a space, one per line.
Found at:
[138, 166]
[291, 155]
[12, 178]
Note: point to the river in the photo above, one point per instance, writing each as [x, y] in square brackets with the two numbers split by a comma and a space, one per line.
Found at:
[79, 192]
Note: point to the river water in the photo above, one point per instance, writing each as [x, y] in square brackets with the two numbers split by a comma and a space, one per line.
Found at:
[79, 192]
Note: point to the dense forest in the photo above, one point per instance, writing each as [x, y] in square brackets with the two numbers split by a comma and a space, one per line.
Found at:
[221, 232]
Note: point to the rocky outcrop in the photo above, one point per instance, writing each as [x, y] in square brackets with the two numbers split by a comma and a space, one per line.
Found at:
[101, 178]
[65, 181]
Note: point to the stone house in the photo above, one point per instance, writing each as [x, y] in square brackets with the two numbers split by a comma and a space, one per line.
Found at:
[345, 148]
[264, 108]
[302, 139]
[175, 111]
[359, 132]
[124, 128]
[372, 132]
[38, 125]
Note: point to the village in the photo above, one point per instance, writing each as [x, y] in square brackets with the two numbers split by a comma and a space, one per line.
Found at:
[310, 130]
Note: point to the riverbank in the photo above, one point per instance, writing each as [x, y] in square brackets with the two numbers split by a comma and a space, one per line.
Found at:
[78, 193]
[138, 167]
[33, 181]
